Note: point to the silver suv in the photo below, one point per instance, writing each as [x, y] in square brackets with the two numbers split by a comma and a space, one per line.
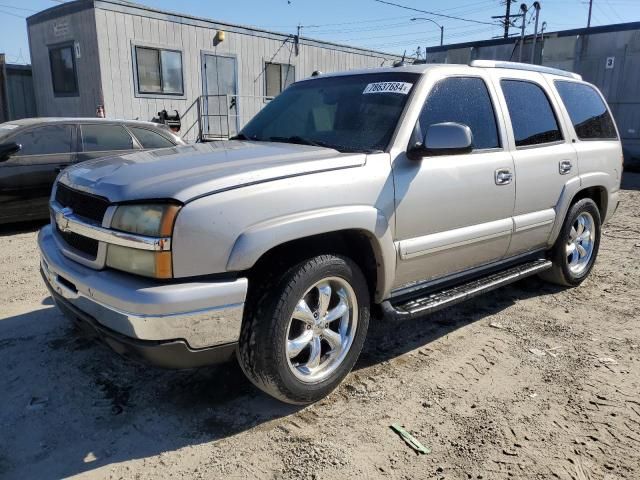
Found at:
[411, 188]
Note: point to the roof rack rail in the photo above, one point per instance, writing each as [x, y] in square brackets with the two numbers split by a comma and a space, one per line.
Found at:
[523, 66]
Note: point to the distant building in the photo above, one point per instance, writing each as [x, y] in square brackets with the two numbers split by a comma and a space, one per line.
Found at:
[136, 61]
[16, 91]
[607, 56]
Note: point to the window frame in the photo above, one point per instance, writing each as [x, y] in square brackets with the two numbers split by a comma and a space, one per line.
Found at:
[554, 111]
[135, 144]
[137, 141]
[492, 101]
[138, 92]
[577, 138]
[279, 64]
[60, 46]
[73, 150]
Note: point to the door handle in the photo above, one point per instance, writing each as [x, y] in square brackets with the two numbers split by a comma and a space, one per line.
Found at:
[503, 176]
[565, 167]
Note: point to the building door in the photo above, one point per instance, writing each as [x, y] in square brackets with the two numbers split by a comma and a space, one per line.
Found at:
[220, 105]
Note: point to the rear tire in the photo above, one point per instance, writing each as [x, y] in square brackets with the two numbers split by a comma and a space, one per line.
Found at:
[303, 333]
[576, 248]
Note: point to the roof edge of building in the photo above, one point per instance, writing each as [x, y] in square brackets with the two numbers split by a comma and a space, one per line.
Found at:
[616, 27]
[122, 5]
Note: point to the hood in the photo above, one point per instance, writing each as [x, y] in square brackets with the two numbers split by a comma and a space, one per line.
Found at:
[187, 172]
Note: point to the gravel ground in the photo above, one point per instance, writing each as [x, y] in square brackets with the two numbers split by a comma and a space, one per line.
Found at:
[465, 382]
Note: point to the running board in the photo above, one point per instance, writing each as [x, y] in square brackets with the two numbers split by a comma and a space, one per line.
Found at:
[419, 305]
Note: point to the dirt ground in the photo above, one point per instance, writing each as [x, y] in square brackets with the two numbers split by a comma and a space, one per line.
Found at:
[464, 382]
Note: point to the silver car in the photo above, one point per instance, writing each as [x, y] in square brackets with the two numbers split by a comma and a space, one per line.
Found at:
[411, 188]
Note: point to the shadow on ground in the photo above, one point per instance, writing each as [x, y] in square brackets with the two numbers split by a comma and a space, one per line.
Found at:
[74, 406]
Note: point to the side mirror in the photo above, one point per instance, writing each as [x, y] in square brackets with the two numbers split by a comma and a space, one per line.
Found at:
[8, 149]
[447, 138]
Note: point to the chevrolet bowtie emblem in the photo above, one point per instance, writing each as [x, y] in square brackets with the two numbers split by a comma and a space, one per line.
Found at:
[63, 220]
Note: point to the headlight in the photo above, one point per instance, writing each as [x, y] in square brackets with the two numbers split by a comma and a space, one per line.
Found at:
[149, 220]
[154, 220]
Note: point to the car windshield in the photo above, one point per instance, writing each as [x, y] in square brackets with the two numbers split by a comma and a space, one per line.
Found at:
[7, 129]
[355, 113]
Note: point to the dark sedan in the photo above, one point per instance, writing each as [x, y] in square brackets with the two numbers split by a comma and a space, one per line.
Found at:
[33, 151]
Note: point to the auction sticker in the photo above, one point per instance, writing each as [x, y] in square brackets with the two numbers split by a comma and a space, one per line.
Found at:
[388, 87]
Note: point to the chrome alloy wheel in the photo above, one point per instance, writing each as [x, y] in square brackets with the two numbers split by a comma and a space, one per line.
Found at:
[321, 329]
[580, 243]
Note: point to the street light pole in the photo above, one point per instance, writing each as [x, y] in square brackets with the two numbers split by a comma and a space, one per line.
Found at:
[436, 24]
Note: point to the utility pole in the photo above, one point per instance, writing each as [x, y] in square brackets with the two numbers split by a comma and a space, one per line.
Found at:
[589, 19]
[537, 6]
[297, 40]
[523, 9]
[507, 18]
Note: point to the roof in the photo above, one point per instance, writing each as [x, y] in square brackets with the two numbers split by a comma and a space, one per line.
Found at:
[67, 8]
[422, 68]
[25, 122]
[618, 27]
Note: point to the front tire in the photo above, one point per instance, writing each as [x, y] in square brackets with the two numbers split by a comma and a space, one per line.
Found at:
[302, 335]
[576, 248]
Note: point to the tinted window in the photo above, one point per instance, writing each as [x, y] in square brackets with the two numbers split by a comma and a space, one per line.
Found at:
[98, 138]
[149, 139]
[531, 114]
[461, 100]
[45, 140]
[588, 112]
[63, 70]
[348, 113]
[159, 71]
[278, 76]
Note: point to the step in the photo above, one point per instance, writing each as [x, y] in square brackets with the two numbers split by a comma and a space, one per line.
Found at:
[421, 304]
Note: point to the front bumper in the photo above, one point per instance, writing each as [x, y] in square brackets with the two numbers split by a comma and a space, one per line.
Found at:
[198, 315]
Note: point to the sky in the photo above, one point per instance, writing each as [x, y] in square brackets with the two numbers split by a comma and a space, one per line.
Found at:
[365, 23]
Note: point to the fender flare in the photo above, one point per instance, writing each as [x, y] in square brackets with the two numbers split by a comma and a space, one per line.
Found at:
[570, 190]
[258, 239]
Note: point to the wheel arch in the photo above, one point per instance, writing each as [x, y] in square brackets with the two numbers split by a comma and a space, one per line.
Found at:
[362, 233]
[574, 191]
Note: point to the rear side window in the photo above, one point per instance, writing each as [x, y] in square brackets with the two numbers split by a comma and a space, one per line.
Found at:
[532, 117]
[99, 138]
[463, 100]
[45, 140]
[149, 139]
[588, 113]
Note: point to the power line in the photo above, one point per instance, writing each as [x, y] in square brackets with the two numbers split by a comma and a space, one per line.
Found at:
[17, 8]
[12, 14]
[452, 17]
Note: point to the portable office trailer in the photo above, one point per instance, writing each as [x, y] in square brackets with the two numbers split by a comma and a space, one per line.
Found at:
[607, 56]
[137, 61]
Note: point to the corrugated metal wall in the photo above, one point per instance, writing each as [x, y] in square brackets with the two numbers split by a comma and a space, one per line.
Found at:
[20, 97]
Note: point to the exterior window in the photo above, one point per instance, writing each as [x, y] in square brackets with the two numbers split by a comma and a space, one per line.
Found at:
[159, 71]
[63, 71]
[149, 139]
[45, 140]
[463, 100]
[588, 113]
[532, 116]
[101, 138]
[278, 77]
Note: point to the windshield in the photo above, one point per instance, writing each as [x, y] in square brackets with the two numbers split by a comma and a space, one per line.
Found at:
[356, 113]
